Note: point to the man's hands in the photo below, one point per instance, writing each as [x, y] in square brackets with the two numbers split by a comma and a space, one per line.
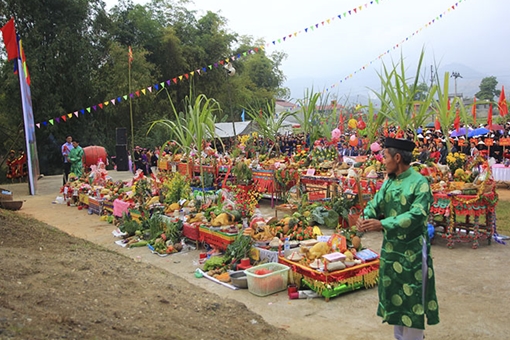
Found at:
[368, 225]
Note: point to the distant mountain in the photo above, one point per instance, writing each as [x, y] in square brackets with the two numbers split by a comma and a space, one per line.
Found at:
[358, 88]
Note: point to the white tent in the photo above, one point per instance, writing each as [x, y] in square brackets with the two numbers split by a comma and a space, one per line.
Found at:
[226, 130]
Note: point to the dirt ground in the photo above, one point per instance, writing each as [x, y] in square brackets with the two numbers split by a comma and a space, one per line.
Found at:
[81, 285]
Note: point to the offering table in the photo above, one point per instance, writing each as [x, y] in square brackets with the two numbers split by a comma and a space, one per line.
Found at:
[331, 284]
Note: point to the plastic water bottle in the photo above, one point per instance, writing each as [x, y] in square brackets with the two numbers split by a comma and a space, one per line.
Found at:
[286, 246]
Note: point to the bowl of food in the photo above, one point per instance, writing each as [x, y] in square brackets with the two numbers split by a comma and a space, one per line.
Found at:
[239, 279]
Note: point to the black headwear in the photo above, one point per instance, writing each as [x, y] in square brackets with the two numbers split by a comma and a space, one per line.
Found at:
[400, 144]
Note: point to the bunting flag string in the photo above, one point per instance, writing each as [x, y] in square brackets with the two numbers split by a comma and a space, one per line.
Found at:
[397, 45]
[203, 70]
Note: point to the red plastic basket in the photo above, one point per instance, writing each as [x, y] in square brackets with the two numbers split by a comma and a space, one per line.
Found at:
[191, 231]
[216, 239]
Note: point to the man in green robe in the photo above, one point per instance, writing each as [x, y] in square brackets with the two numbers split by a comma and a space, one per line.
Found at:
[406, 276]
[75, 157]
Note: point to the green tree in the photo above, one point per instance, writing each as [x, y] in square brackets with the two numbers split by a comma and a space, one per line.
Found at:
[488, 89]
[63, 43]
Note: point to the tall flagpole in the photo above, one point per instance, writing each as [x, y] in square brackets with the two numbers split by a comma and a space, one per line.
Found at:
[14, 48]
[130, 59]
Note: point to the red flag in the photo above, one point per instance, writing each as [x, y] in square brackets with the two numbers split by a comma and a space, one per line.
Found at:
[473, 111]
[502, 105]
[456, 122]
[11, 43]
[437, 125]
[130, 55]
[489, 116]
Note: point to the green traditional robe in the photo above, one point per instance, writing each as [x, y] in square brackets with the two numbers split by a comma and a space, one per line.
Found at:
[403, 205]
[76, 156]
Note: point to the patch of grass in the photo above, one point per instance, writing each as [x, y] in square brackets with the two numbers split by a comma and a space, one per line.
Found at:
[503, 217]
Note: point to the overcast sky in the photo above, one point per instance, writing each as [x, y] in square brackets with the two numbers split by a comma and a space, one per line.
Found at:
[473, 33]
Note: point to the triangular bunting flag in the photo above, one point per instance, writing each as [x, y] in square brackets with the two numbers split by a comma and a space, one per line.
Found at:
[51, 121]
[162, 84]
[192, 73]
[57, 119]
[156, 86]
[119, 99]
[88, 109]
[45, 123]
[174, 80]
[221, 62]
[82, 111]
[106, 103]
[180, 78]
[112, 101]
[76, 114]
[186, 75]
[143, 91]
[94, 107]
[64, 118]
[38, 125]
[210, 67]
[168, 82]
[137, 93]
[125, 97]
[131, 95]
[149, 88]
[100, 105]
[70, 115]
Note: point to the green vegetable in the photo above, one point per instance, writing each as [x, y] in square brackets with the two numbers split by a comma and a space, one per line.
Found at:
[325, 217]
[138, 244]
[214, 262]
[129, 225]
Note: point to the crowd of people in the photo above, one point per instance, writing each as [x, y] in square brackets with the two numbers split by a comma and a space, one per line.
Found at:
[146, 160]
[431, 144]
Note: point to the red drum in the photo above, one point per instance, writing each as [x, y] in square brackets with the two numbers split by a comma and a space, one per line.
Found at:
[93, 154]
